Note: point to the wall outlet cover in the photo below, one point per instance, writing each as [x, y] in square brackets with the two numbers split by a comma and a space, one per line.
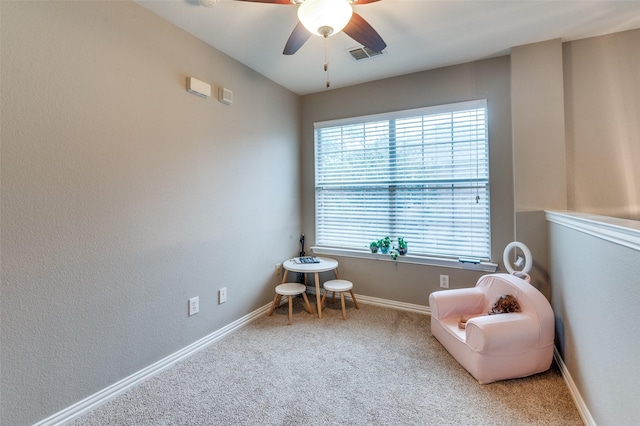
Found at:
[194, 306]
[444, 281]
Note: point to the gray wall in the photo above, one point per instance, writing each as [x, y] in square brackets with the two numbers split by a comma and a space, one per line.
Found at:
[602, 98]
[539, 160]
[537, 96]
[488, 79]
[598, 97]
[583, 276]
[123, 196]
[594, 283]
[595, 299]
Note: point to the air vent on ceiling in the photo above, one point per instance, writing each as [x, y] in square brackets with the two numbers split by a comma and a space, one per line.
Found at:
[360, 53]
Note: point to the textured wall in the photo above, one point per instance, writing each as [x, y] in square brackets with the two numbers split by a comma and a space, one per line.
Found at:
[123, 196]
[595, 294]
[537, 106]
[602, 98]
[488, 79]
[539, 160]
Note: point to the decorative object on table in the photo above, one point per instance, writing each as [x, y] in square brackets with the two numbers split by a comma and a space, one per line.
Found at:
[385, 245]
[402, 246]
[306, 259]
[373, 246]
[300, 277]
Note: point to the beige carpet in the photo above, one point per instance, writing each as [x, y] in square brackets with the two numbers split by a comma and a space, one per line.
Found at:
[379, 367]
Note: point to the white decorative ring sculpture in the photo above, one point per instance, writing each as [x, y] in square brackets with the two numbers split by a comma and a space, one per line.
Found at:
[528, 264]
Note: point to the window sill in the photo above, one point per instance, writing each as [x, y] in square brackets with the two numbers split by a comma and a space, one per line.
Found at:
[418, 260]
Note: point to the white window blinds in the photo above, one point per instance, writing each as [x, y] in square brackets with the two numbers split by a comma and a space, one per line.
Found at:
[419, 174]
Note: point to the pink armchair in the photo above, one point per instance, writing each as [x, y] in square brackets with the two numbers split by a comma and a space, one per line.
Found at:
[495, 347]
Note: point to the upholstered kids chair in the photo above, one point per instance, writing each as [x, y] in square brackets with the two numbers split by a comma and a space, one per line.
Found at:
[500, 346]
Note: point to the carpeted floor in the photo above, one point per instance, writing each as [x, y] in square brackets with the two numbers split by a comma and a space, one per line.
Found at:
[379, 367]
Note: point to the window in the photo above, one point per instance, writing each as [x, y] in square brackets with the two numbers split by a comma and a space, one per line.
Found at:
[420, 174]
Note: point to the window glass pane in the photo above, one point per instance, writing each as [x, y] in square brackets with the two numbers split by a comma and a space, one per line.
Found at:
[421, 174]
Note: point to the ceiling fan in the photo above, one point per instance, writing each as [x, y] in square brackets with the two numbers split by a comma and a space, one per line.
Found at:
[328, 17]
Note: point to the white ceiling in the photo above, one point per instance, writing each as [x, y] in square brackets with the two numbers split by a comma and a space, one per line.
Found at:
[420, 34]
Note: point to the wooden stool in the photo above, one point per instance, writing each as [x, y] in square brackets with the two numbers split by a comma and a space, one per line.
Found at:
[339, 286]
[290, 289]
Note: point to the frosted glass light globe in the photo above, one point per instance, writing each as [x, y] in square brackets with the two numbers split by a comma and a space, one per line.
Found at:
[325, 17]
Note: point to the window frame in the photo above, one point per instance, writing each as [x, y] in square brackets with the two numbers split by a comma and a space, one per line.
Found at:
[484, 264]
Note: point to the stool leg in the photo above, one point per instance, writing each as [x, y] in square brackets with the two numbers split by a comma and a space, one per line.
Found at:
[290, 310]
[333, 297]
[354, 299]
[324, 297]
[275, 303]
[306, 302]
[344, 310]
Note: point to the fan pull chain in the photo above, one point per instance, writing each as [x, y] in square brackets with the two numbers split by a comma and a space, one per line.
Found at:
[326, 62]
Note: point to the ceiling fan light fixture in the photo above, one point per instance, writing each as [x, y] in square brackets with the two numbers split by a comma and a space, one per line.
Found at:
[325, 17]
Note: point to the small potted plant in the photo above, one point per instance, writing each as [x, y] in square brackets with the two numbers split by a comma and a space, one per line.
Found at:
[373, 246]
[394, 254]
[385, 245]
[402, 246]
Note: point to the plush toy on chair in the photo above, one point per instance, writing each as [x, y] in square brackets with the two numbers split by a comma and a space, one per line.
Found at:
[492, 336]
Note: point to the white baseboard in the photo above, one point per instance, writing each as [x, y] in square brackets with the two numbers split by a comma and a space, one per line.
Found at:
[583, 410]
[402, 306]
[92, 402]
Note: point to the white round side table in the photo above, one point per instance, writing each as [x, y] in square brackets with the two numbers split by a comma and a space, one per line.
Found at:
[324, 265]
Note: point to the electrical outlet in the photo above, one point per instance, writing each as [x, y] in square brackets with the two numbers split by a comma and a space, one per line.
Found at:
[222, 295]
[444, 281]
[278, 269]
[194, 305]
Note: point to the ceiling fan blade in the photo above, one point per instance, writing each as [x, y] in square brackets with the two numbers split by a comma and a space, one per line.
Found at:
[297, 38]
[360, 30]
[273, 1]
[359, 2]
